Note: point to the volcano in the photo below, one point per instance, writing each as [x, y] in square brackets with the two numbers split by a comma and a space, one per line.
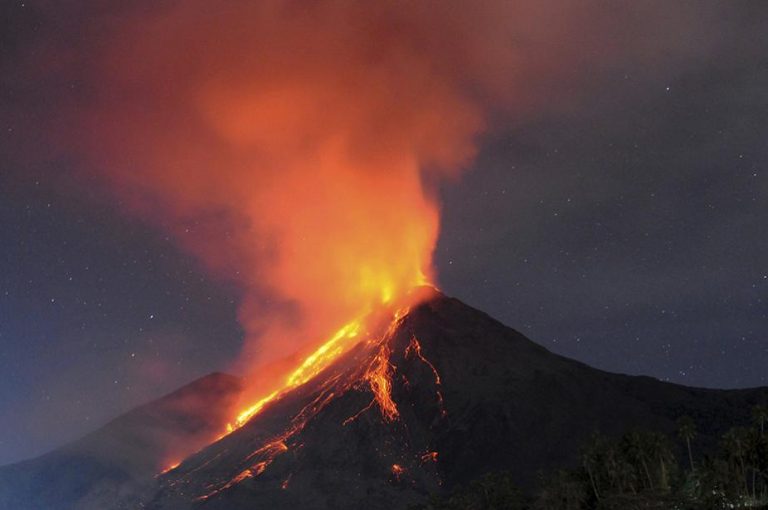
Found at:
[442, 396]
[445, 395]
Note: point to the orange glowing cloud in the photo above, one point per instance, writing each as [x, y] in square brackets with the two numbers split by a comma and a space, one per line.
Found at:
[286, 146]
[290, 146]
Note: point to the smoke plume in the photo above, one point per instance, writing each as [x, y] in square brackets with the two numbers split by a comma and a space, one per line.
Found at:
[293, 146]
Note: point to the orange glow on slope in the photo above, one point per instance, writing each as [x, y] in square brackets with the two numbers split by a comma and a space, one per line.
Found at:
[379, 376]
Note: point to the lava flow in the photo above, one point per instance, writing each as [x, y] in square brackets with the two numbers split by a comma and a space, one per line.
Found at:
[369, 370]
[378, 374]
[310, 367]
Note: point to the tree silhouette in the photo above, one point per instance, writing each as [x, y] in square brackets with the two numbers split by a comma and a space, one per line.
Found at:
[591, 458]
[734, 444]
[760, 415]
[636, 447]
[565, 490]
[686, 430]
[640, 471]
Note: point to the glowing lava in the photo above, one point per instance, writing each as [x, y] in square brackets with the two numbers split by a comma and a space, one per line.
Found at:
[310, 367]
[170, 467]
[369, 369]
[247, 473]
[379, 376]
[429, 457]
[397, 471]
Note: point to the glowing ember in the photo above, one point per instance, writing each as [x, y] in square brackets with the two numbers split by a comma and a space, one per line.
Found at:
[260, 467]
[239, 478]
[171, 467]
[397, 471]
[429, 457]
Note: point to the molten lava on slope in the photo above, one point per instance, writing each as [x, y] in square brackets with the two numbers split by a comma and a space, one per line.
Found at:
[355, 376]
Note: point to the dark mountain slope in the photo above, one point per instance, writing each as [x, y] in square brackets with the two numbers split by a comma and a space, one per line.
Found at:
[113, 466]
[459, 395]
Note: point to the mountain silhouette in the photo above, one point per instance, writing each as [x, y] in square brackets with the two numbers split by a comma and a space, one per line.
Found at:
[115, 466]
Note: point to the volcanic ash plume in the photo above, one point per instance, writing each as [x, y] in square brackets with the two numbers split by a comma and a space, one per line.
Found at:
[288, 145]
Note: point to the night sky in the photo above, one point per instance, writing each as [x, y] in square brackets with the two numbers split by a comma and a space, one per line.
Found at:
[626, 230]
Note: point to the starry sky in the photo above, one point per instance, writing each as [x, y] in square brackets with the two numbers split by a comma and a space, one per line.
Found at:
[627, 231]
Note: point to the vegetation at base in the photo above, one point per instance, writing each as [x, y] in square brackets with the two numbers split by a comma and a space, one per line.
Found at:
[639, 471]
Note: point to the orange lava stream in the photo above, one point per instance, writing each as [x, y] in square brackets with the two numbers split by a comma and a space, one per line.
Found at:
[247, 473]
[379, 376]
[339, 343]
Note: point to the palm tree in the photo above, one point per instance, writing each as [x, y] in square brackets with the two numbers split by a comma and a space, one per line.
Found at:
[591, 461]
[760, 415]
[611, 468]
[734, 444]
[752, 446]
[660, 450]
[636, 445]
[686, 430]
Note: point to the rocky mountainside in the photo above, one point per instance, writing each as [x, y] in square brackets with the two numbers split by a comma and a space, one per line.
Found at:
[115, 466]
[444, 396]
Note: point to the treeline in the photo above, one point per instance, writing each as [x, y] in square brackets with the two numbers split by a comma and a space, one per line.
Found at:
[640, 471]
